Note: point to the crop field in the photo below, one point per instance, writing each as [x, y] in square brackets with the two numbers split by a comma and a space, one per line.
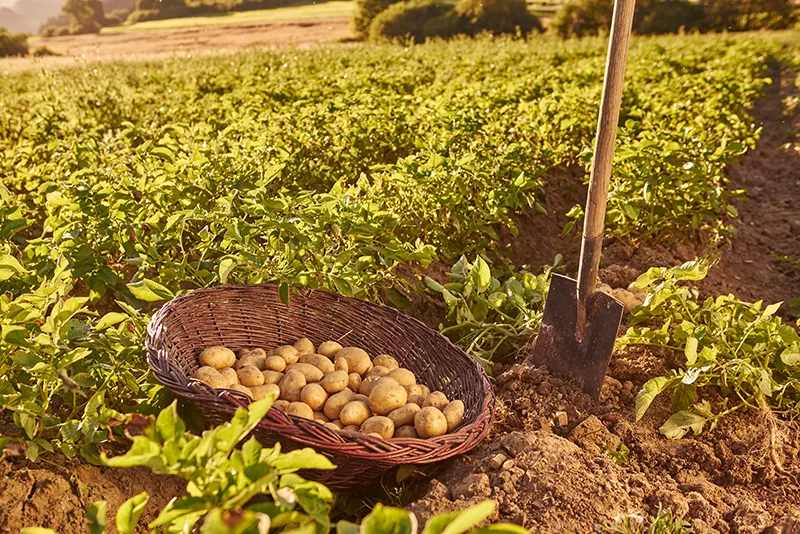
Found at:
[444, 180]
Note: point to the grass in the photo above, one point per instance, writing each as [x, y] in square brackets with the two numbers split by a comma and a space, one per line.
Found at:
[337, 8]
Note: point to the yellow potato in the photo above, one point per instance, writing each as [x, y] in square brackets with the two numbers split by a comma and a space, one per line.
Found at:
[362, 398]
[291, 384]
[406, 432]
[454, 413]
[354, 381]
[314, 395]
[413, 389]
[340, 364]
[332, 426]
[312, 374]
[357, 359]
[319, 361]
[425, 390]
[384, 360]
[416, 399]
[404, 416]
[430, 422]
[288, 353]
[365, 388]
[437, 399]
[628, 299]
[338, 424]
[217, 357]
[354, 413]
[272, 377]
[250, 376]
[387, 396]
[378, 370]
[320, 416]
[262, 392]
[251, 359]
[300, 409]
[382, 426]
[242, 389]
[260, 353]
[404, 377]
[329, 348]
[229, 374]
[212, 377]
[275, 363]
[304, 346]
[350, 428]
[334, 382]
[280, 405]
[336, 402]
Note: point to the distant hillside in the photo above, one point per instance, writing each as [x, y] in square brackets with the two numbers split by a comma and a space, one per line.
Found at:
[29, 15]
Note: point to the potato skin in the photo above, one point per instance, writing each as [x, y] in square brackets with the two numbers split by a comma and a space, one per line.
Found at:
[320, 416]
[454, 413]
[437, 399]
[404, 416]
[384, 360]
[430, 422]
[383, 426]
[250, 359]
[416, 399]
[275, 363]
[288, 353]
[413, 389]
[336, 402]
[319, 361]
[350, 428]
[304, 346]
[354, 381]
[404, 377]
[357, 359]
[261, 392]
[338, 424]
[281, 405]
[250, 375]
[261, 353]
[362, 398]
[314, 395]
[300, 409]
[378, 370]
[407, 431]
[328, 348]
[242, 389]
[291, 384]
[210, 376]
[272, 377]
[334, 382]
[218, 357]
[340, 364]
[386, 397]
[311, 373]
[354, 413]
[425, 390]
[365, 388]
[229, 374]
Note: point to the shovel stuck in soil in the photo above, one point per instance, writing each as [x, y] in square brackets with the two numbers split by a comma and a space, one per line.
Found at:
[580, 324]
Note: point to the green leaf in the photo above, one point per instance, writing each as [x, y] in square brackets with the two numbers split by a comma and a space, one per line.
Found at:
[346, 527]
[302, 459]
[690, 350]
[432, 284]
[501, 528]
[129, 513]
[110, 319]
[387, 520]
[142, 452]
[225, 268]
[680, 423]
[96, 518]
[770, 310]
[168, 424]
[683, 397]
[9, 266]
[460, 522]
[791, 355]
[163, 153]
[649, 391]
[481, 275]
[283, 292]
[150, 291]
[691, 270]
[14, 335]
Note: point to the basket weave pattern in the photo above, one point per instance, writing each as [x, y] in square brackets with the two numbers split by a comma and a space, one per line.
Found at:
[241, 317]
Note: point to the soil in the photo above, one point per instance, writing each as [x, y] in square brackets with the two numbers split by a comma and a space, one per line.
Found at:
[547, 462]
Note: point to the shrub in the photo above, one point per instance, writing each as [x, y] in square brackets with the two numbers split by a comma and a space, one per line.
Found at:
[407, 19]
[497, 16]
[582, 17]
[42, 51]
[366, 11]
[667, 16]
[742, 15]
[13, 44]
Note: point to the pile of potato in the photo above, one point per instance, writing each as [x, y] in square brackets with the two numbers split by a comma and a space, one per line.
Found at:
[341, 387]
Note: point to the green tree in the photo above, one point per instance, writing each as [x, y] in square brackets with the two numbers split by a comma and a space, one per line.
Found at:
[86, 16]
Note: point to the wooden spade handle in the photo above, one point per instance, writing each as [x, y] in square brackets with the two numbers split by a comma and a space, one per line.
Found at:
[603, 154]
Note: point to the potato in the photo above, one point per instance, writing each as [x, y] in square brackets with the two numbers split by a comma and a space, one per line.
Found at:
[430, 422]
[362, 398]
[638, 292]
[357, 359]
[229, 374]
[319, 361]
[350, 428]
[425, 390]
[338, 423]
[288, 353]
[329, 349]
[404, 377]
[454, 413]
[300, 409]
[354, 413]
[365, 388]
[304, 346]
[332, 426]
[311, 373]
[354, 381]
[340, 364]
[416, 399]
[378, 370]
[320, 416]
[280, 404]
[387, 396]
[272, 377]
[251, 359]
[405, 415]
[250, 376]
[217, 357]
[384, 360]
[336, 402]
[413, 389]
[212, 377]
[383, 426]
[437, 399]
[407, 431]
[314, 395]
[242, 389]
[334, 382]
[275, 363]
[628, 299]
[291, 384]
[261, 392]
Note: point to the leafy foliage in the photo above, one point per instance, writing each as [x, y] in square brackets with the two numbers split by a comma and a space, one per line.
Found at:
[740, 349]
[13, 44]
[664, 522]
[407, 19]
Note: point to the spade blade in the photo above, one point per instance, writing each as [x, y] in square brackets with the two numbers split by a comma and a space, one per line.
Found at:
[558, 346]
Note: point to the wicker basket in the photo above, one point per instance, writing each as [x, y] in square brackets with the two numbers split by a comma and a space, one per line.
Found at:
[253, 316]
